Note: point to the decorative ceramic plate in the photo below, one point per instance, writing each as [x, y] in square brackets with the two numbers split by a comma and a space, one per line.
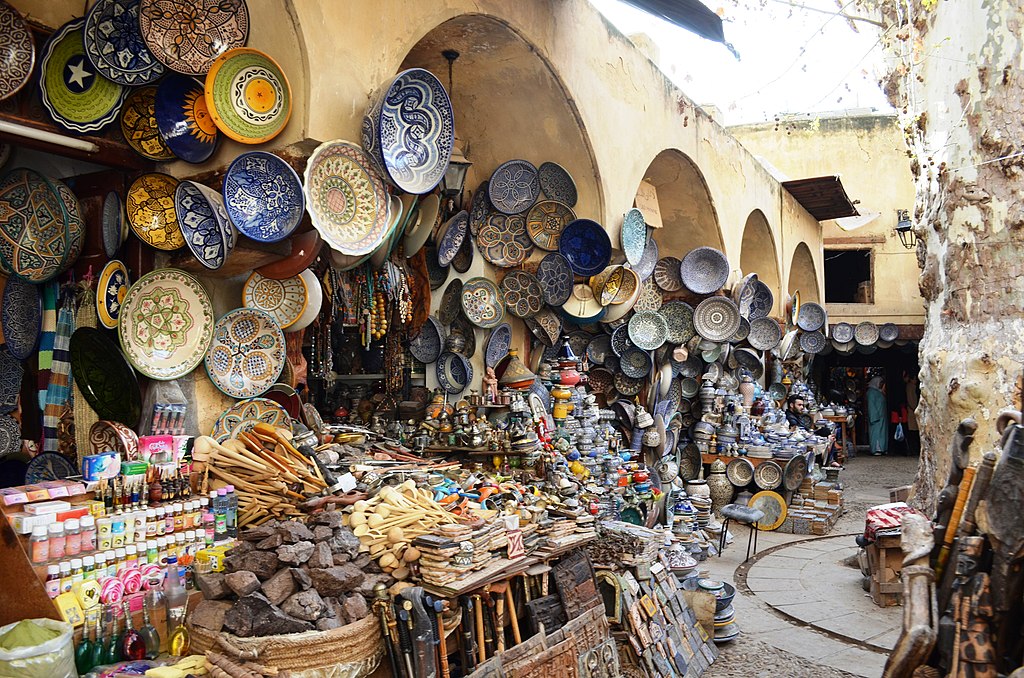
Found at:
[74, 94]
[74, 225]
[842, 333]
[546, 326]
[578, 342]
[583, 307]
[865, 334]
[451, 302]
[17, 51]
[409, 131]
[555, 276]
[633, 236]
[679, 318]
[248, 96]
[418, 230]
[464, 257]
[648, 330]
[113, 436]
[627, 386]
[514, 187]
[110, 290]
[792, 308]
[151, 211]
[606, 284]
[465, 333]
[742, 333]
[34, 243]
[11, 374]
[105, 378]
[114, 44]
[621, 341]
[204, 223]
[523, 294]
[740, 472]
[503, 240]
[453, 372]
[21, 317]
[480, 208]
[557, 183]
[263, 196]
[166, 324]
[748, 359]
[586, 246]
[426, 346]
[285, 396]
[889, 332]
[247, 353]
[482, 303]
[187, 35]
[600, 380]
[650, 297]
[635, 363]
[346, 198]
[183, 118]
[599, 348]
[716, 318]
[666, 274]
[768, 475]
[812, 342]
[498, 344]
[765, 334]
[139, 127]
[704, 270]
[648, 262]
[113, 226]
[794, 473]
[545, 222]
[245, 414]
[284, 300]
[452, 237]
[436, 272]
[812, 317]
[761, 302]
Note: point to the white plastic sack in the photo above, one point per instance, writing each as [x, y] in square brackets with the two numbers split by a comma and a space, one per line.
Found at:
[52, 659]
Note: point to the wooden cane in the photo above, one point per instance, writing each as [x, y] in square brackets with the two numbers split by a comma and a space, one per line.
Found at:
[443, 643]
[512, 616]
[478, 610]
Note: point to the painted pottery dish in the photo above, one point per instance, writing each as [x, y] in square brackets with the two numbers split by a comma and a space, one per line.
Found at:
[346, 198]
[842, 333]
[648, 330]
[314, 301]
[482, 303]
[545, 222]
[111, 287]
[393, 234]
[74, 94]
[557, 183]
[418, 231]
[679, 320]
[464, 257]
[743, 292]
[462, 326]
[768, 475]
[812, 317]
[666, 274]
[793, 308]
[627, 386]
[454, 372]
[105, 378]
[312, 417]
[305, 247]
[247, 353]
[435, 272]
[777, 391]
[618, 310]
[114, 226]
[555, 276]
[812, 342]
[788, 345]
[633, 236]
[598, 348]
[742, 333]
[248, 96]
[635, 362]
[704, 270]
[245, 414]
[514, 187]
[522, 293]
[114, 44]
[263, 196]
[151, 211]
[578, 342]
[139, 126]
[650, 297]
[761, 301]
[187, 35]
[740, 471]
[21, 316]
[645, 269]
[204, 223]
[716, 318]
[498, 344]
[794, 473]
[17, 51]
[284, 300]
[74, 225]
[11, 374]
[844, 347]
[866, 333]
[546, 326]
[607, 283]
[409, 131]
[503, 240]
[479, 208]
[765, 334]
[586, 246]
[583, 307]
[426, 346]
[600, 380]
[166, 324]
[183, 118]
[748, 360]
[285, 396]
[451, 239]
[114, 436]
[34, 241]
[888, 332]
[451, 302]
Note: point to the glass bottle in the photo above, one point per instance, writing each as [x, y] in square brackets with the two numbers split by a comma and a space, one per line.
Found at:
[112, 651]
[148, 632]
[98, 646]
[83, 653]
[232, 512]
[133, 645]
[72, 537]
[39, 545]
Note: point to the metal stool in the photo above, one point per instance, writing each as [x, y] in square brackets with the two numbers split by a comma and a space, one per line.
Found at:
[747, 515]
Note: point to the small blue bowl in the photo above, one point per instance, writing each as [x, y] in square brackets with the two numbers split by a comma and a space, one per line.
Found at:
[263, 196]
[183, 119]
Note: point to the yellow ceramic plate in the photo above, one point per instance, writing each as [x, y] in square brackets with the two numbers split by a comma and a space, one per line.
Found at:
[248, 95]
[110, 291]
[150, 207]
[774, 507]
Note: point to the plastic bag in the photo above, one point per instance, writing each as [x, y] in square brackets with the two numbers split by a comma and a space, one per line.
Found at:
[53, 659]
[899, 435]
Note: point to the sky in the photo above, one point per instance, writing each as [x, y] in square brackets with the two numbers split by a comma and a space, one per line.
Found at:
[792, 60]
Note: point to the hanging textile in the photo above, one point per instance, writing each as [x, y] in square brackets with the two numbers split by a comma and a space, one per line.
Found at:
[85, 416]
[51, 292]
[58, 393]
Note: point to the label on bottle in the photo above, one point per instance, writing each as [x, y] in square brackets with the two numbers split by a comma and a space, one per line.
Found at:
[53, 587]
[220, 525]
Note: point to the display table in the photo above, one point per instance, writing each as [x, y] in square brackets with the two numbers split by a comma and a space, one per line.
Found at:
[845, 427]
[754, 461]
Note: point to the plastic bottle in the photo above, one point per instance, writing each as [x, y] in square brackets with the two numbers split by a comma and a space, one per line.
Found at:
[53, 580]
[119, 557]
[220, 514]
[175, 595]
[72, 537]
[65, 576]
[161, 547]
[111, 563]
[232, 511]
[77, 573]
[89, 567]
[101, 565]
[39, 545]
[131, 557]
[87, 526]
[179, 517]
[209, 523]
[161, 521]
[169, 519]
[55, 532]
[152, 551]
[103, 538]
[150, 523]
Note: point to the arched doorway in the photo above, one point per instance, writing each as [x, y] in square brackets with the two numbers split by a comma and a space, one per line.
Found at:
[802, 275]
[758, 254]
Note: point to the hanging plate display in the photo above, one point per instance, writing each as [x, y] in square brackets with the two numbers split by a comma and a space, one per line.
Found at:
[583, 307]
[635, 363]
[11, 374]
[139, 126]
[204, 223]
[263, 196]
[74, 226]
[498, 344]
[247, 353]
[555, 276]
[105, 378]
[479, 209]
[842, 333]
[409, 131]
[34, 243]
[557, 183]
[314, 301]
[503, 240]
[151, 212]
[345, 198]
[889, 332]
[704, 270]
[666, 274]
[633, 236]
[426, 346]
[183, 118]
[650, 297]
[21, 317]
[546, 326]
[768, 475]
[452, 237]
[166, 324]
[114, 44]
[812, 342]
[620, 341]
[761, 302]
[422, 223]
[627, 386]
[248, 96]
[740, 471]
[765, 334]
[187, 35]
[111, 287]
[464, 257]
[645, 269]
[514, 187]
[17, 51]
[482, 303]
[866, 333]
[451, 302]
[716, 318]
[648, 330]
[462, 326]
[811, 317]
[586, 246]
[454, 372]
[284, 300]
[245, 414]
[114, 228]
[742, 332]
[748, 360]
[679, 319]
[545, 222]
[599, 348]
[522, 293]
[74, 94]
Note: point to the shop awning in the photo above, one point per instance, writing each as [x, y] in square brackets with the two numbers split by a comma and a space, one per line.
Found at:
[689, 14]
[824, 197]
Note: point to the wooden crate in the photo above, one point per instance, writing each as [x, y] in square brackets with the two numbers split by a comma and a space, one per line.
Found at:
[885, 561]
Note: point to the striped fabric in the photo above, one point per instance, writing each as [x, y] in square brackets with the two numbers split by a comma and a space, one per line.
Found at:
[58, 393]
[50, 295]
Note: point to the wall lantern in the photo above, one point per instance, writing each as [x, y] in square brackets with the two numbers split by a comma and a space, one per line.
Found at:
[455, 176]
[905, 229]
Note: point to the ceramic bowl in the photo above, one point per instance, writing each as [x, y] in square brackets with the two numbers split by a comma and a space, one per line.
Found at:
[204, 223]
[183, 118]
[454, 372]
[704, 270]
[263, 196]
[314, 301]
[247, 353]
[585, 244]
[811, 317]
[151, 211]
[248, 96]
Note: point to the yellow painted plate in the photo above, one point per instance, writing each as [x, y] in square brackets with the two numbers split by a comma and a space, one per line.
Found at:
[150, 207]
[774, 507]
[248, 95]
[110, 290]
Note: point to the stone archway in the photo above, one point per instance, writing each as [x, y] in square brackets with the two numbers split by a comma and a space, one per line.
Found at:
[759, 255]
[802, 274]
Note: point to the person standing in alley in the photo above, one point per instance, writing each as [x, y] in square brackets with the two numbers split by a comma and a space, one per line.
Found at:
[878, 416]
[913, 434]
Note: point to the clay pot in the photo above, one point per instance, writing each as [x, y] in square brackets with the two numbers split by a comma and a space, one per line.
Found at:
[719, 488]
[747, 391]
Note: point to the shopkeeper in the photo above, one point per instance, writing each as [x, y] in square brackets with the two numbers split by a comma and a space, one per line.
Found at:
[796, 415]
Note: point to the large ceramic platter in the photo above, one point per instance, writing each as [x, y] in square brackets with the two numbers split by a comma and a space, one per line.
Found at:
[648, 330]
[504, 241]
[427, 345]
[187, 35]
[248, 96]
[842, 333]
[716, 318]
[409, 131]
[773, 506]
[74, 225]
[704, 270]
[463, 259]
[114, 44]
[247, 353]
[813, 342]
[545, 222]
[586, 246]
[679, 319]
[761, 302]
[482, 303]
[514, 187]
[866, 333]
[111, 287]
[17, 51]
[523, 294]
[479, 209]
[557, 183]
[346, 198]
[151, 212]
[811, 317]
[34, 243]
[765, 334]
[166, 324]
[633, 236]
[139, 126]
[284, 300]
[555, 276]
[645, 269]
[314, 301]
[650, 298]
[74, 94]
[794, 473]
[204, 223]
[21, 317]
[546, 326]
[106, 380]
[263, 196]
[11, 374]
[113, 226]
[889, 332]
[245, 414]
[183, 118]
[454, 233]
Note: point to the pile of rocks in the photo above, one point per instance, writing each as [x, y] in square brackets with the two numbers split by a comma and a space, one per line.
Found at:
[288, 577]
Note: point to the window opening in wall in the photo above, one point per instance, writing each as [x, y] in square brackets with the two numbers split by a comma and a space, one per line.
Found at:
[848, 277]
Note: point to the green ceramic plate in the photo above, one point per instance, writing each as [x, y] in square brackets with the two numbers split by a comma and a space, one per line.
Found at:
[105, 378]
[248, 95]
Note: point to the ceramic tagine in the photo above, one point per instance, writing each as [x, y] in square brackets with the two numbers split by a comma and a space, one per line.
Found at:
[719, 487]
[568, 363]
[698, 487]
[517, 375]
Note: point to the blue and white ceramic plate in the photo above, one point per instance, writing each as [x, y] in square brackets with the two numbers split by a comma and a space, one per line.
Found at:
[633, 236]
[498, 344]
[409, 131]
[514, 187]
[21, 317]
[555, 276]
[454, 232]
[263, 196]
[453, 372]
[586, 246]
[649, 260]
[479, 209]
[183, 118]
[114, 44]
[11, 373]
[704, 270]
[762, 301]
[504, 241]
[204, 223]
[17, 52]
[113, 284]
[10, 437]
[114, 226]
[426, 346]
[557, 183]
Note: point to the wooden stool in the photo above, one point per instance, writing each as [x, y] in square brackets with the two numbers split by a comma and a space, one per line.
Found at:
[747, 515]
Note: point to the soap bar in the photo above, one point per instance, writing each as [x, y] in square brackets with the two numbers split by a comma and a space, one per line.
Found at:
[87, 592]
[101, 466]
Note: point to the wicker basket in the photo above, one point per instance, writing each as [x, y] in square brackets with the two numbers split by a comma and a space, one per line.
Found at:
[351, 651]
